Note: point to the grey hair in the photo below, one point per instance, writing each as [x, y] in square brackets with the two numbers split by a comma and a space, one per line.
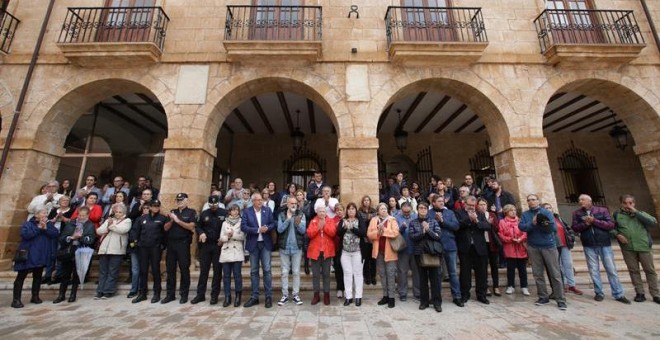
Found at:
[585, 196]
[121, 207]
[54, 182]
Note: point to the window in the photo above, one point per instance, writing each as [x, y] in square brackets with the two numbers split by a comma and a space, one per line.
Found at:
[300, 167]
[127, 20]
[572, 22]
[580, 174]
[427, 20]
[277, 19]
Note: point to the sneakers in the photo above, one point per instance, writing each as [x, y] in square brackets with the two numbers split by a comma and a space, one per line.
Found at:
[561, 305]
[296, 300]
[599, 297]
[283, 301]
[509, 290]
[525, 291]
[340, 294]
[623, 300]
[542, 301]
[575, 290]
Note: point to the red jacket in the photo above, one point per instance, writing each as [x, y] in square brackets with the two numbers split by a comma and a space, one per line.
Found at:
[95, 215]
[508, 231]
[321, 240]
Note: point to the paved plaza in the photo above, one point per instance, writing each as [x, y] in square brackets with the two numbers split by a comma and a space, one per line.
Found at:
[507, 317]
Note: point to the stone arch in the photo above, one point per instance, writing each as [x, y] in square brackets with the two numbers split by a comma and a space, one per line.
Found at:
[306, 84]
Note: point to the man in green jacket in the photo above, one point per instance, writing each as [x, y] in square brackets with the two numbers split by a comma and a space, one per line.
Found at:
[632, 232]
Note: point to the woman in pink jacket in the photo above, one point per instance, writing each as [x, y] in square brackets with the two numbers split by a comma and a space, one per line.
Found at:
[515, 250]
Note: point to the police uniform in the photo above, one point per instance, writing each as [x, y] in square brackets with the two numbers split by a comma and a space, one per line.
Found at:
[178, 252]
[210, 224]
[150, 236]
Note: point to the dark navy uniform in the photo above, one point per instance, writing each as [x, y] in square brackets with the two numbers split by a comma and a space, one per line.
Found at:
[150, 236]
[210, 224]
[178, 253]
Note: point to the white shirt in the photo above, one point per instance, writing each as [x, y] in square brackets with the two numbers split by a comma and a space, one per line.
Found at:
[40, 202]
[330, 209]
[260, 238]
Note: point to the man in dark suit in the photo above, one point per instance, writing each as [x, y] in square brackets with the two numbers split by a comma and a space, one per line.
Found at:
[257, 222]
[472, 249]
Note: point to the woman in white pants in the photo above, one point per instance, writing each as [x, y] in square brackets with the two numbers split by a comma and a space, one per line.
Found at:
[350, 230]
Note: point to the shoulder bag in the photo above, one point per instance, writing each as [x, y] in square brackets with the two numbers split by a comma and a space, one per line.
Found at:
[398, 243]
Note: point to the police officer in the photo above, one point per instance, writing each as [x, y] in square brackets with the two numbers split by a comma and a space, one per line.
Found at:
[179, 230]
[149, 235]
[208, 229]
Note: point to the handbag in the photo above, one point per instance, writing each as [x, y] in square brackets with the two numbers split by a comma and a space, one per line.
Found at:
[398, 243]
[432, 247]
[428, 260]
[21, 256]
[66, 253]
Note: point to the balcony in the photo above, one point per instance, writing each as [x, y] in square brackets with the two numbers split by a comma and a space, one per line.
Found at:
[113, 36]
[435, 35]
[579, 36]
[8, 25]
[258, 33]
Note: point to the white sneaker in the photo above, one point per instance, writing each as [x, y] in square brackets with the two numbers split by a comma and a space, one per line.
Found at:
[296, 300]
[509, 290]
[283, 301]
[340, 294]
[525, 291]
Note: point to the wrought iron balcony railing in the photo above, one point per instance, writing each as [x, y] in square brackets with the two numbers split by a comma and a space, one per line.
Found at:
[115, 24]
[579, 27]
[293, 23]
[8, 24]
[434, 24]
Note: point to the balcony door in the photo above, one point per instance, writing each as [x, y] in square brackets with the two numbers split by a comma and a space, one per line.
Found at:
[427, 20]
[277, 20]
[577, 26]
[126, 21]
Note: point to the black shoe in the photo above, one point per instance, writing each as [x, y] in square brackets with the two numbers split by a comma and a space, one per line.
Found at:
[423, 306]
[74, 293]
[98, 296]
[168, 299]
[183, 299]
[45, 281]
[640, 298]
[269, 302]
[347, 302]
[139, 298]
[59, 299]
[438, 307]
[458, 302]
[403, 298]
[483, 300]
[656, 299]
[251, 302]
[36, 300]
[390, 304]
[599, 297]
[196, 300]
[358, 302]
[17, 304]
[542, 301]
[131, 295]
[155, 298]
[562, 305]
[383, 301]
[237, 300]
[214, 300]
[227, 301]
[623, 300]
[55, 281]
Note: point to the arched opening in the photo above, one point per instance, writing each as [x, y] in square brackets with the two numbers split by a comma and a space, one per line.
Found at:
[580, 176]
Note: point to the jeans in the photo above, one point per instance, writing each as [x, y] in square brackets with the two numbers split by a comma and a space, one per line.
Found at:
[546, 258]
[108, 273]
[407, 263]
[135, 271]
[566, 264]
[455, 284]
[633, 260]
[230, 268]
[260, 254]
[387, 272]
[291, 262]
[593, 255]
[321, 269]
[511, 266]
[352, 265]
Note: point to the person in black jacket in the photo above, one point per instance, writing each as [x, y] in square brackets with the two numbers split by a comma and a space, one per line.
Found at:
[208, 230]
[472, 249]
[420, 229]
[149, 236]
[498, 198]
[351, 229]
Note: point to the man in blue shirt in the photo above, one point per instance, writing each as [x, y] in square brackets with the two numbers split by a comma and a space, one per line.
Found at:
[406, 260]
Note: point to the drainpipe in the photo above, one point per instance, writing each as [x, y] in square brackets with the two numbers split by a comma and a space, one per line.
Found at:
[650, 20]
[26, 86]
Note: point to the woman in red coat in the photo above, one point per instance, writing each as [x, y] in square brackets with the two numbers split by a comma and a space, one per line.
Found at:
[513, 242]
[321, 232]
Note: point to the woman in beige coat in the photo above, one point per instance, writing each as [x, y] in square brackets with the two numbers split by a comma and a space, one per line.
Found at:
[114, 239]
[383, 228]
[231, 257]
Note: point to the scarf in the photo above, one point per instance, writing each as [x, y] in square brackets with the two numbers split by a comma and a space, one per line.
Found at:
[233, 220]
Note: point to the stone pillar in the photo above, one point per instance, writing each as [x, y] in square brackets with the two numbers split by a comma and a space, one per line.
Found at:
[523, 168]
[186, 170]
[358, 168]
[649, 157]
[26, 171]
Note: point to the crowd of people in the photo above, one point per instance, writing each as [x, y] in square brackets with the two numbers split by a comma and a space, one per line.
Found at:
[445, 232]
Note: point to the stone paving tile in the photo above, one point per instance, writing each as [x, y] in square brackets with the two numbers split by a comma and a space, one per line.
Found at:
[508, 317]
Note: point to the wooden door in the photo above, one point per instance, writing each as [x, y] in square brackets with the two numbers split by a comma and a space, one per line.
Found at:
[277, 20]
[427, 20]
[574, 27]
[126, 21]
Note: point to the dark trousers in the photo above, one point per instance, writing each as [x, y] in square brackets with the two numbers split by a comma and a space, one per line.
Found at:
[427, 274]
[511, 266]
[369, 268]
[339, 271]
[209, 254]
[321, 271]
[472, 261]
[493, 262]
[108, 273]
[20, 279]
[149, 257]
[69, 273]
[234, 268]
[178, 253]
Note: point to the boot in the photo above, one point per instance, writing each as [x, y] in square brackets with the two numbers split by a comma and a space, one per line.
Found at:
[227, 301]
[16, 302]
[383, 301]
[316, 299]
[156, 297]
[74, 291]
[237, 300]
[61, 296]
[390, 304]
[306, 266]
[326, 298]
[36, 286]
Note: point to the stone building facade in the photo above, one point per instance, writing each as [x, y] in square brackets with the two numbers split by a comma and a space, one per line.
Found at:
[358, 71]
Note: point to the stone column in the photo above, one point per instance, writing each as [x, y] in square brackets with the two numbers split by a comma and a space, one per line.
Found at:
[649, 157]
[26, 171]
[523, 168]
[358, 168]
[186, 170]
